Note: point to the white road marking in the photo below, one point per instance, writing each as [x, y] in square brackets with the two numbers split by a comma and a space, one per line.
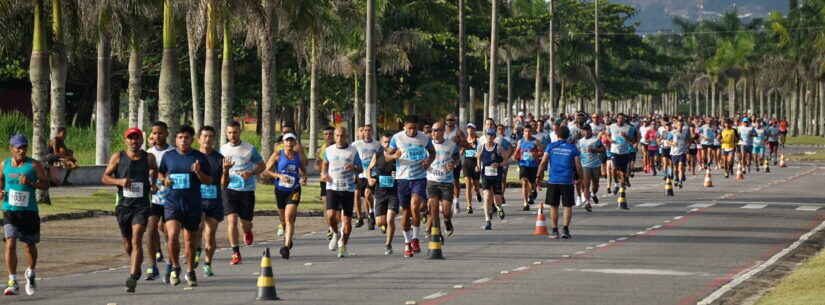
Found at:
[621, 238]
[650, 204]
[807, 208]
[678, 217]
[667, 221]
[565, 256]
[522, 268]
[580, 253]
[504, 272]
[640, 232]
[611, 241]
[537, 263]
[479, 281]
[601, 245]
[458, 286]
[589, 248]
[656, 227]
[435, 295]
[694, 209]
[700, 205]
[410, 303]
[639, 272]
[747, 274]
[307, 264]
[754, 206]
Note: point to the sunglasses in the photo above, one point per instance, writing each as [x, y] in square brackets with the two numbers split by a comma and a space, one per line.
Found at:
[438, 129]
[450, 120]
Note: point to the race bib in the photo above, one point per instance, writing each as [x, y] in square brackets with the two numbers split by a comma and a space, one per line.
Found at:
[416, 153]
[236, 182]
[135, 190]
[386, 181]
[490, 171]
[527, 156]
[286, 182]
[179, 181]
[19, 198]
[209, 191]
[470, 153]
[619, 140]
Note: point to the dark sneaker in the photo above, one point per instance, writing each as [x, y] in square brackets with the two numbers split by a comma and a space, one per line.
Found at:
[359, 223]
[469, 210]
[488, 226]
[371, 223]
[478, 196]
[588, 207]
[131, 284]
[624, 206]
[594, 198]
[284, 252]
[554, 234]
[501, 213]
[526, 207]
[448, 225]
[566, 233]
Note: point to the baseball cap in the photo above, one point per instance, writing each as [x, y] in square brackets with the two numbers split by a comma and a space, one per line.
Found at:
[289, 136]
[131, 131]
[746, 120]
[521, 113]
[471, 125]
[18, 140]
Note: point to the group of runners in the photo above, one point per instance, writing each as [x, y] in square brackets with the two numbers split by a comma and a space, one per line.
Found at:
[171, 191]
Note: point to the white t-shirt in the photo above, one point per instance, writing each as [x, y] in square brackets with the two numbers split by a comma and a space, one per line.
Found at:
[445, 153]
[339, 158]
[159, 197]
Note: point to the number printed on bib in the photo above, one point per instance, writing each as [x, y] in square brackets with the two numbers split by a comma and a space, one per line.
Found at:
[19, 198]
[179, 181]
[470, 153]
[135, 190]
[490, 171]
[236, 182]
[416, 153]
[286, 181]
[386, 181]
[527, 156]
[209, 191]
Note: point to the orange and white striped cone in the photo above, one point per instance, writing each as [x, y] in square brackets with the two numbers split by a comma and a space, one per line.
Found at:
[541, 222]
[782, 160]
[708, 181]
[739, 174]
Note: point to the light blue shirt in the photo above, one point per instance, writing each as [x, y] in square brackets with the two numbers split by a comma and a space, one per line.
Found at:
[338, 158]
[245, 157]
[416, 150]
[589, 159]
[445, 153]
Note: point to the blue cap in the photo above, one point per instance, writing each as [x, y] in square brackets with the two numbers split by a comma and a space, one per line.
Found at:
[18, 140]
[746, 120]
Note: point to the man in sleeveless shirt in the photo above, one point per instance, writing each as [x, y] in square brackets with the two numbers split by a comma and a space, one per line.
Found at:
[134, 172]
[158, 148]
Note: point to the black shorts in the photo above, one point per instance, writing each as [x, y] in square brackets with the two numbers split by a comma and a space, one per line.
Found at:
[457, 175]
[559, 194]
[190, 220]
[129, 216]
[362, 184]
[283, 198]
[385, 199]
[323, 189]
[676, 159]
[442, 190]
[707, 146]
[651, 153]
[23, 225]
[213, 208]
[666, 152]
[491, 183]
[469, 168]
[239, 202]
[692, 151]
[620, 161]
[340, 201]
[155, 210]
[529, 173]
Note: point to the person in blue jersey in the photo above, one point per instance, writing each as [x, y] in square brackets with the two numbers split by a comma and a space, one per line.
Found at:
[239, 195]
[490, 157]
[622, 138]
[746, 133]
[158, 148]
[382, 177]
[773, 141]
[679, 140]
[468, 165]
[507, 145]
[590, 149]
[183, 170]
[211, 195]
[367, 147]
[287, 168]
[134, 172]
[528, 151]
[561, 160]
[20, 176]
[339, 169]
[759, 139]
[440, 179]
[413, 152]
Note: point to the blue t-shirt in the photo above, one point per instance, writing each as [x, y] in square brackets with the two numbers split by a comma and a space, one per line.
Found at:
[529, 150]
[210, 193]
[445, 153]
[562, 164]
[245, 156]
[185, 192]
[589, 159]
[416, 150]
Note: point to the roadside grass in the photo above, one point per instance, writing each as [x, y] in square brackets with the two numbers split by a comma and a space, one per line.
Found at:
[802, 287]
[817, 156]
[805, 140]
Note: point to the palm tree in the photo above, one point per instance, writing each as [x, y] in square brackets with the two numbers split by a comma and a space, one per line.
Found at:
[371, 111]
[135, 18]
[493, 57]
[168, 90]
[227, 75]
[57, 63]
[210, 75]
[38, 74]
[99, 16]
[262, 30]
[194, 36]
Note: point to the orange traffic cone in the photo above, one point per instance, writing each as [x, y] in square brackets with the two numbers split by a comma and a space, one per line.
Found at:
[739, 174]
[708, 182]
[541, 223]
[782, 160]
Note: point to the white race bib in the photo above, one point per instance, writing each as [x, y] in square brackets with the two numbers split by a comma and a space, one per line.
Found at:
[490, 171]
[135, 190]
[286, 181]
[19, 198]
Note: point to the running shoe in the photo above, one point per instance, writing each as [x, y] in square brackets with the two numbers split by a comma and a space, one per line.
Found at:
[488, 226]
[191, 279]
[342, 251]
[501, 213]
[526, 207]
[408, 252]
[448, 225]
[329, 234]
[12, 288]
[578, 201]
[594, 198]
[531, 200]
[280, 230]
[387, 249]
[333, 242]
[207, 270]
[566, 233]
[478, 196]
[533, 196]
[624, 206]
[383, 229]
[31, 284]
[131, 284]
[152, 273]
[554, 234]
[371, 223]
[284, 252]
[616, 189]
[173, 278]
[159, 256]
[610, 190]
[167, 274]
[588, 207]
[248, 238]
[360, 222]
[198, 253]
[424, 216]
[236, 258]
[469, 210]
[456, 208]
[415, 245]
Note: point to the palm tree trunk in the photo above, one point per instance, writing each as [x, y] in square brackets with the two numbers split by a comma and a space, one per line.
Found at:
[57, 62]
[508, 112]
[210, 74]
[39, 77]
[732, 96]
[168, 90]
[103, 102]
[197, 118]
[821, 120]
[227, 80]
[537, 94]
[493, 58]
[551, 57]
[462, 68]
[597, 81]
[269, 87]
[471, 115]
[313, 102]
[356, 105]
[371, 114]
[135, 74]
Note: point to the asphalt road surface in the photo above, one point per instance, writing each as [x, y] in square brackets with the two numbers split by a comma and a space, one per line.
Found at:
[664, 250]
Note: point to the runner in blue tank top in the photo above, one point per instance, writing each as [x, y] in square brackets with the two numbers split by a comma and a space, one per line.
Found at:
[287, 168]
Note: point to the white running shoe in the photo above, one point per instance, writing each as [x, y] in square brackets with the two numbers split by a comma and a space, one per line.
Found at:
[342, 251]
[31, 285]
[333, 242]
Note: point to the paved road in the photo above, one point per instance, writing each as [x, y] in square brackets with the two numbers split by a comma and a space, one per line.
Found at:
[665, 250]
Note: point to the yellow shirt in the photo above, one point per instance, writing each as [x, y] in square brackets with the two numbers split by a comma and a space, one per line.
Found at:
[728, 138]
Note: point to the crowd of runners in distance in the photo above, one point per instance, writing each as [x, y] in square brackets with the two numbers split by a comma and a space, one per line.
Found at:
[171, 191]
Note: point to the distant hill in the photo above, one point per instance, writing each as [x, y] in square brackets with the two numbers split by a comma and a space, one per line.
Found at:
[655, 15]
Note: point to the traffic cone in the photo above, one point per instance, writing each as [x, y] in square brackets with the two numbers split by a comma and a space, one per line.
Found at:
[541, 223]
[436, 241]
[668, 186]
[266, 282]
[739, 174]
[782, 160]
[767, 166]
[622, 199]
[708, 182]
